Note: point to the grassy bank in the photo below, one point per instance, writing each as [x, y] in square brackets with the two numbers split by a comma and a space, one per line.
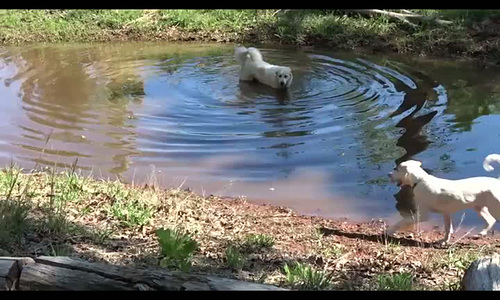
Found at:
[471, 34]
[49, 213]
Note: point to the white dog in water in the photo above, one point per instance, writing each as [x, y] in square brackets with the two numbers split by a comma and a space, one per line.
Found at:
[254, 67]
[432, 194]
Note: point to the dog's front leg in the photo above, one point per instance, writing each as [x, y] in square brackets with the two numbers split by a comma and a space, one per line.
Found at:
[448, 228]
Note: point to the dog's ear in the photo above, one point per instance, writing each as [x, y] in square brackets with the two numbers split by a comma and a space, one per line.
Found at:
[407, 179]
[289, 82]
[419, 163]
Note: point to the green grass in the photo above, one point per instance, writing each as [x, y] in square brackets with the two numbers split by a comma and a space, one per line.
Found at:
[305, 277]
[57, 249]
[396, 282]
[452, 285]
[65, 187]
[101, 24]
[14, 210]
[251, 243]
[392, 247]
[334, 251]
[177, 248]
[70, 186]
[127, 207]
[462, 15]
[257, 242]
[234, 258]
[61, 191]
[101, 236]
[13, 220]
[457, 259]
[60, 25]
[9, 180]
[333, 28]
[208, 19]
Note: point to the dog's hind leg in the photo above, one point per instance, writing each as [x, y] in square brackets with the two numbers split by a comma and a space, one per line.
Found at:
[246, 77]
[490, 220]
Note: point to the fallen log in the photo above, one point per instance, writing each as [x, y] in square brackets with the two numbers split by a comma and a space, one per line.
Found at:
[483, 274]
[408, 17]
[65, 273]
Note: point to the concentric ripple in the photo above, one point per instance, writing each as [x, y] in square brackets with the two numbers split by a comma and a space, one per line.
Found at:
[123, 108]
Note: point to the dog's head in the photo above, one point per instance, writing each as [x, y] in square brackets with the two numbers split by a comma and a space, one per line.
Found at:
[284, 77]
[404, 173]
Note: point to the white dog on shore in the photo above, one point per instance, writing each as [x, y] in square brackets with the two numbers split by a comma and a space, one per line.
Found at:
[433, 194]
[253, 67]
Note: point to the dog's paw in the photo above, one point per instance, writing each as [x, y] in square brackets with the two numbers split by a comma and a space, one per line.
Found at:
[483, 233]
[442, 242]
[480, 235]
[390, 230]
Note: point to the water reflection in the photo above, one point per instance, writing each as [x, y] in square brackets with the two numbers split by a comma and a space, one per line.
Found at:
[254, 90]
[72, 95]
[413, 141]
[122, 108]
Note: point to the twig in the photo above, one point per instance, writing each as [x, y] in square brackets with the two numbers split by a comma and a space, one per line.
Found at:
[182, 184]
[466, 234]
[275, 13]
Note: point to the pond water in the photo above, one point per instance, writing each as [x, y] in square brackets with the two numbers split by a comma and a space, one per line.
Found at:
[176, 114]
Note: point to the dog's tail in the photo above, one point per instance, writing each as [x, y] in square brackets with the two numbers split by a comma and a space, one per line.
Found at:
[489, 159]
[255, 54]
[241, 54]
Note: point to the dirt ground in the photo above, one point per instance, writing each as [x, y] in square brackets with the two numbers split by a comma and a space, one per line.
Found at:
[354, 254]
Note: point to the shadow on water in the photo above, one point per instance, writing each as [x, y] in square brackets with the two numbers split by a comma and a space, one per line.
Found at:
[413, 141]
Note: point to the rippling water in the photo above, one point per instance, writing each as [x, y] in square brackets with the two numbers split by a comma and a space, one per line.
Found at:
[177, 114]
